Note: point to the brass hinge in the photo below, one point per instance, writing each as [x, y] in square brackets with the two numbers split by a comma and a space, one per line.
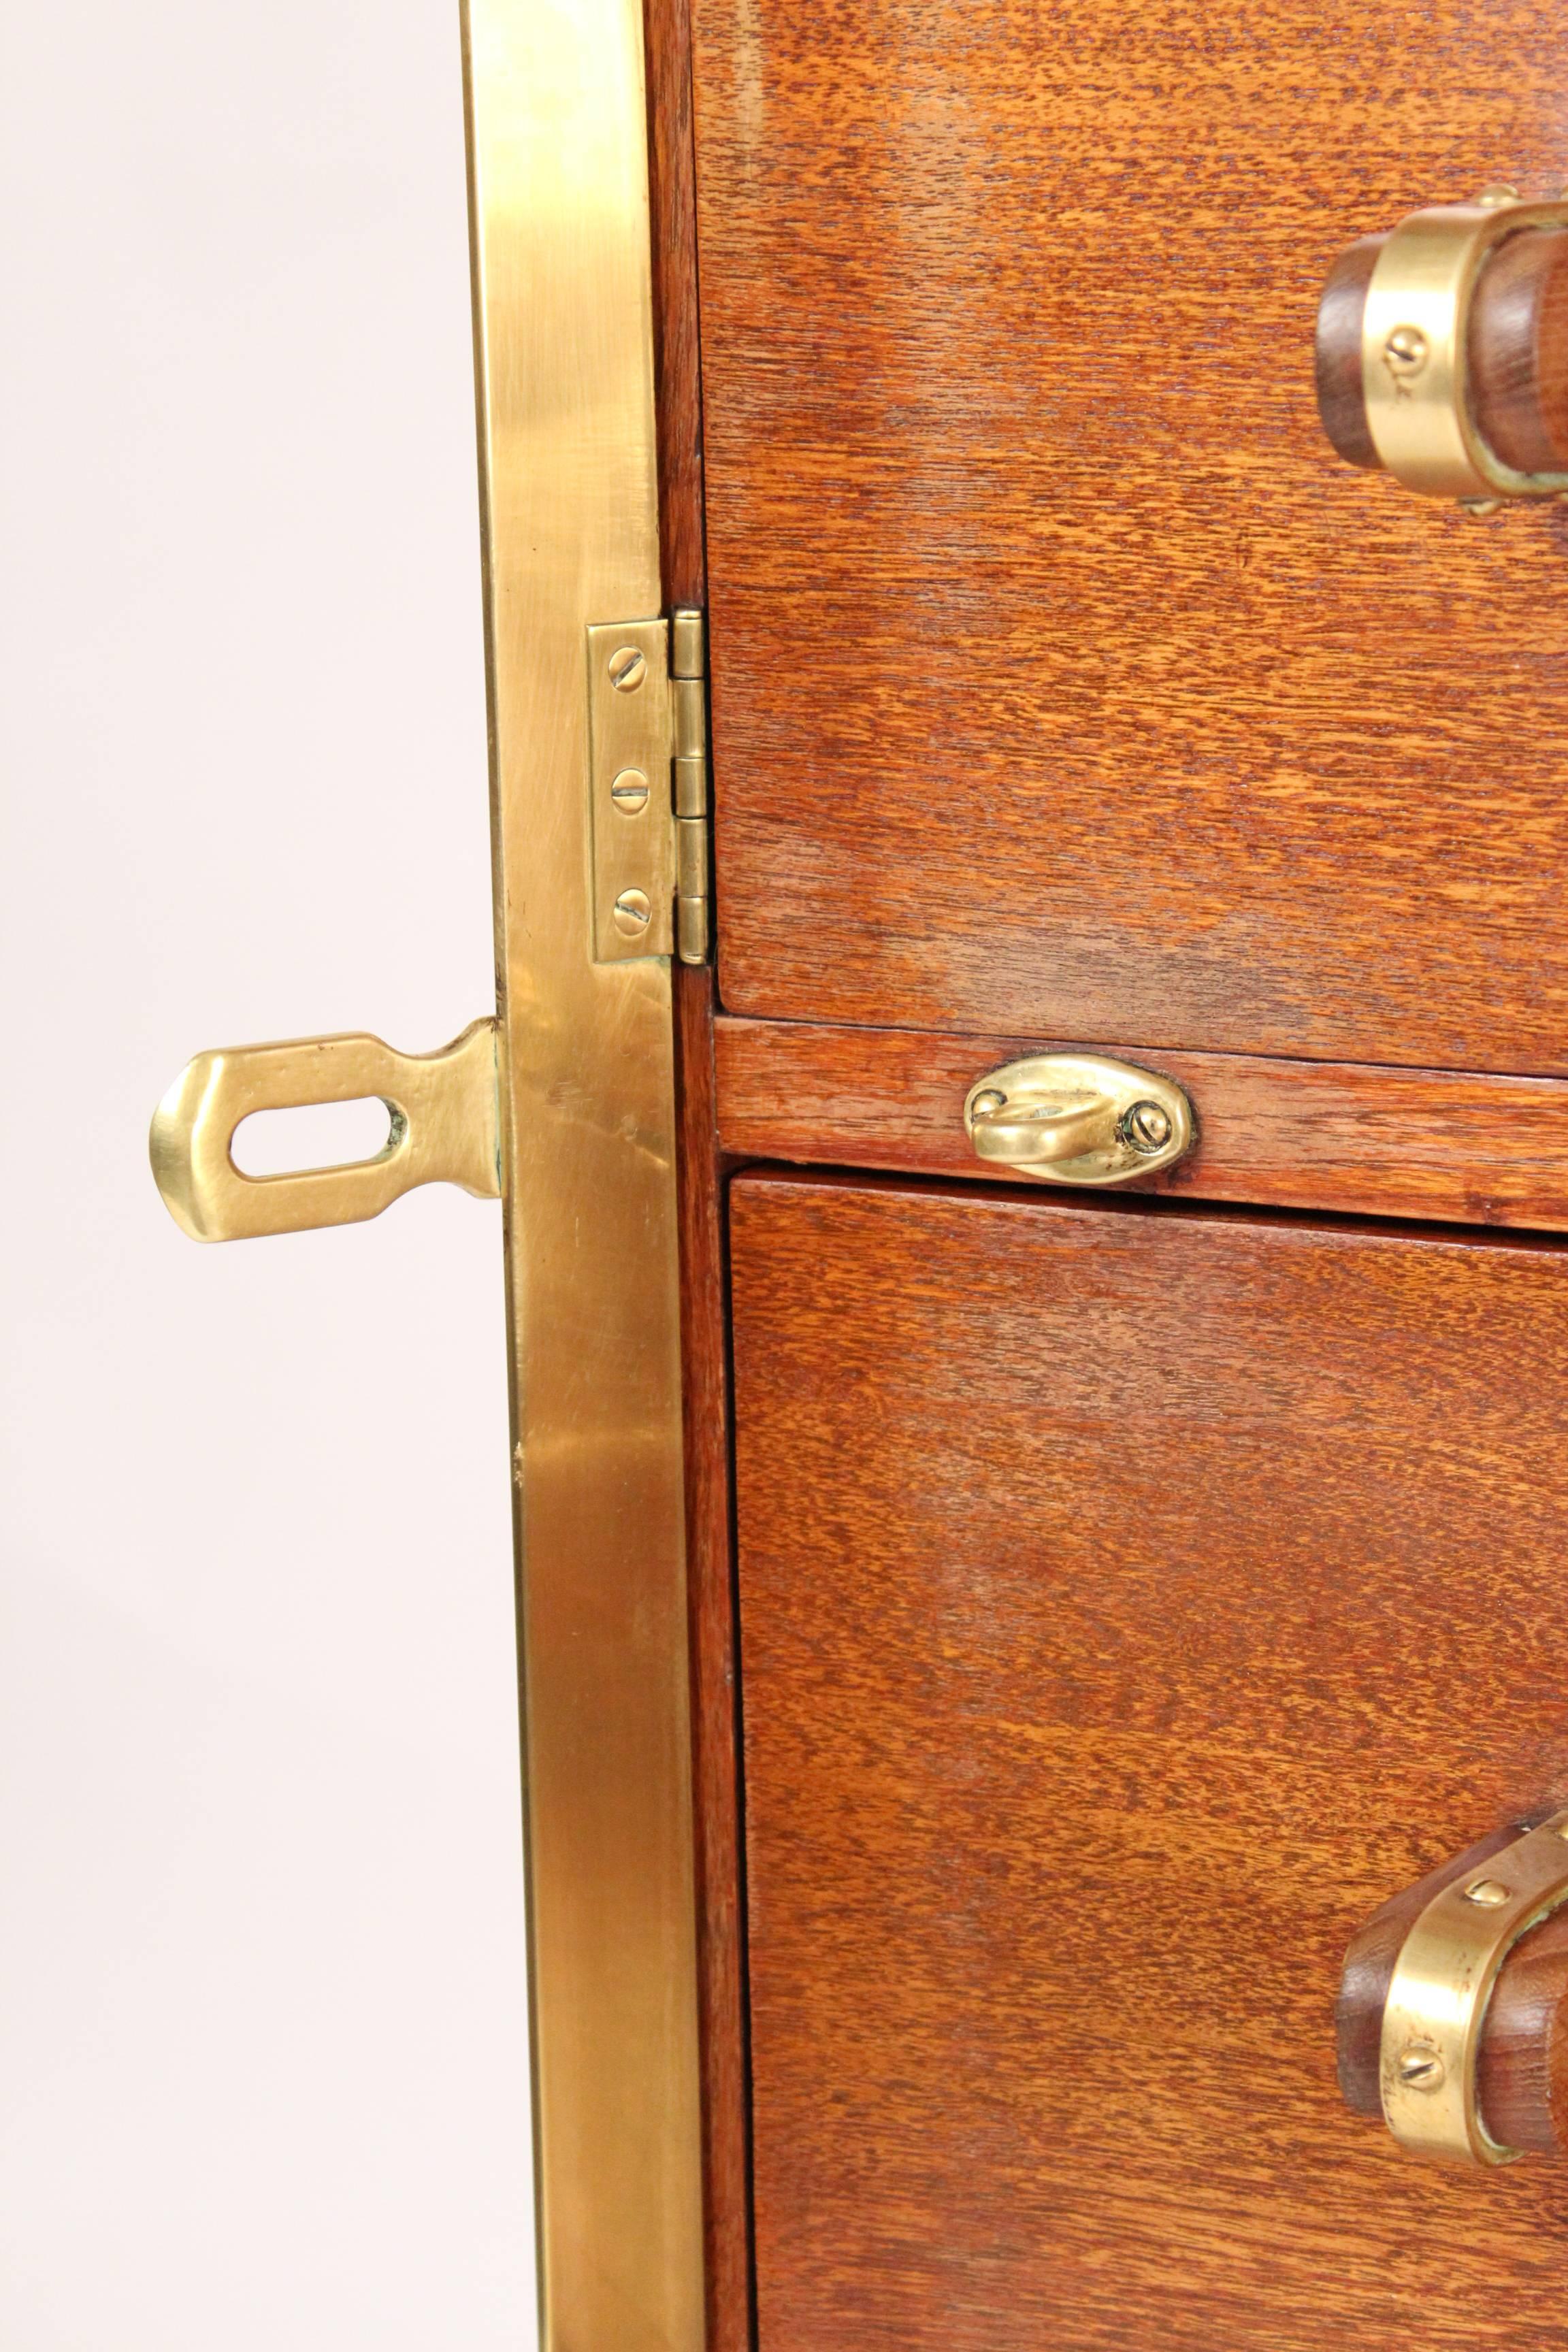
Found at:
[648, 710]
[647, 762]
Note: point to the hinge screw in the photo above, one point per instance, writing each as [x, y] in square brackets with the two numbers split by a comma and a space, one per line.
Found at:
[629, 792]
[1146, 1127]
[633, 911]
[1420, 2068]
[629, 668]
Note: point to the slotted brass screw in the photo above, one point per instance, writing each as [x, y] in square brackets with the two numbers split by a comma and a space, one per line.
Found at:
[1405, 351]
[1146, 1127]
[1420, 2068]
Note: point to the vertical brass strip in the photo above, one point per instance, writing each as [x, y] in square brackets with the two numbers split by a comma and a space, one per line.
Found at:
[564, 313]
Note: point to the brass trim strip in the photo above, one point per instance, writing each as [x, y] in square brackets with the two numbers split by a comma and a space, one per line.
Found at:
[1442, 1981]
[444, 1132]
[563, 302]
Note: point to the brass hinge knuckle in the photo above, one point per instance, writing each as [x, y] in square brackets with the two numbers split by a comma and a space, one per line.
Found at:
[648, 788]
[693, 812]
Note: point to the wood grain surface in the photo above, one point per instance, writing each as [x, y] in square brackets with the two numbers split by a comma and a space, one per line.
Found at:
[1324, 1136]
[672, 202]
[1341, 388]
[1133, 1599]
[720, 1891]
[1521, 2074]
[1518, 350]
[1063, 680]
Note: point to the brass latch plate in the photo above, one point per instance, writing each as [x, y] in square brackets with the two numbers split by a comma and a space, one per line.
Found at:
[444, 1130]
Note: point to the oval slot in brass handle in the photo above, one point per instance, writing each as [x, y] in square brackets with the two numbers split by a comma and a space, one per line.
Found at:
[1079, 1118]
[1442, 351]
[445, 1130]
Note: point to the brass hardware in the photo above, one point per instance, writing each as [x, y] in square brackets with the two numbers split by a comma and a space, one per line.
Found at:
[444, 1132]
[629, 734]
[1079, 1118]
[563, 300]
[1414, 361]
[1406, 354]
[648, 712]
[1146, 1127]
[693, 817]
[1443, 1979]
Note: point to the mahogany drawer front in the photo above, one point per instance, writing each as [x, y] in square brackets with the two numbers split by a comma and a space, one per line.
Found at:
[1470, 1150]
[1132, 1598]
[1063, 681]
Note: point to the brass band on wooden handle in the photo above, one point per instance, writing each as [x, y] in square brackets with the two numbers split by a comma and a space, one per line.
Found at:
[1442, 351]
[444, 1130]
[1079, 1118]
[1454, 2000]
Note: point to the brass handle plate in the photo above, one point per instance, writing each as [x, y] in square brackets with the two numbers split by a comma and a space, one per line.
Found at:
[1079, 1118]
[444, 1130]
[1443, 1979]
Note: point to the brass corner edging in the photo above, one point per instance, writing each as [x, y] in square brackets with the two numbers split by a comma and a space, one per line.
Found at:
[563, 337]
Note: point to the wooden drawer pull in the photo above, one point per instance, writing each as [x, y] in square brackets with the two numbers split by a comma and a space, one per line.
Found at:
[1450, 2001]
[1442, 351]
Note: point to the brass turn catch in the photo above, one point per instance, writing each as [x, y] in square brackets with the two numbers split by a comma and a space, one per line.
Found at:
[1079, 1118]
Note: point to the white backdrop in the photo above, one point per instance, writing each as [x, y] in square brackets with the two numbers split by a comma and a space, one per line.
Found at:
[263, 2072]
